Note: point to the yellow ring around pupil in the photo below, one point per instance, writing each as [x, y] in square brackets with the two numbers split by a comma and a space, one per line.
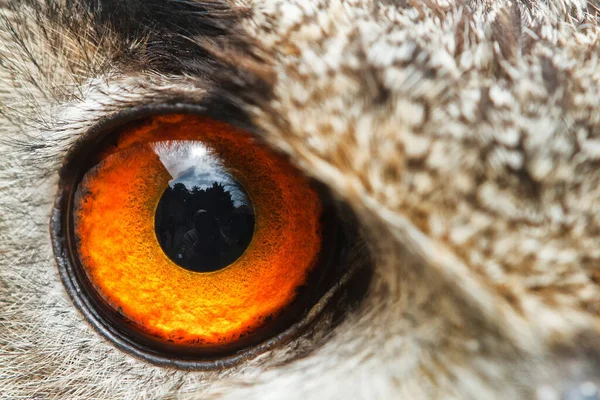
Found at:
[114, 223]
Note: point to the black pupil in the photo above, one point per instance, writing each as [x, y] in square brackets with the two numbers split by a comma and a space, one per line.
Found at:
[204, 227]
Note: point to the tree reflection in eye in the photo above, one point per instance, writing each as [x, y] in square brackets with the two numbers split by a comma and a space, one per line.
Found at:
[203, 226]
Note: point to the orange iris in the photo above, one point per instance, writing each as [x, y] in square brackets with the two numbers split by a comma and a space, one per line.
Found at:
[114, 222]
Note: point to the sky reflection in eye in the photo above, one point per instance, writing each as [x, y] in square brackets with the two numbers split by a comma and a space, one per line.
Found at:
[194, 164]
[204, 220]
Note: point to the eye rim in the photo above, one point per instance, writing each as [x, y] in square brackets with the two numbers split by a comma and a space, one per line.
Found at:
[82, 294]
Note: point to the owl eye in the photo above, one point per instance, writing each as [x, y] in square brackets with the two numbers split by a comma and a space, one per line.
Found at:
[183, 239]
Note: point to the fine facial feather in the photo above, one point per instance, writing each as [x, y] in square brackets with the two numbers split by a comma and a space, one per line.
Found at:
[463, 134]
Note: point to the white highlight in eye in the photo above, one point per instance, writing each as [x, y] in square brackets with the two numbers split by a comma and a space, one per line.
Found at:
[188, 161]
[198, 150]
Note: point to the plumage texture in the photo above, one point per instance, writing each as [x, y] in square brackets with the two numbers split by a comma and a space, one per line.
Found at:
[464, 135]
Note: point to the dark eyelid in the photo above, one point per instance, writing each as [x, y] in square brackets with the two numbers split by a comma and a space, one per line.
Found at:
[214, 107]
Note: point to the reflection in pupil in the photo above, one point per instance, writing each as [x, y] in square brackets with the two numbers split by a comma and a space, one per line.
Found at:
[204, 229]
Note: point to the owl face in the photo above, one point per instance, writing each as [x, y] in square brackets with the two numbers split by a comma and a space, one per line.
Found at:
[442, 154]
